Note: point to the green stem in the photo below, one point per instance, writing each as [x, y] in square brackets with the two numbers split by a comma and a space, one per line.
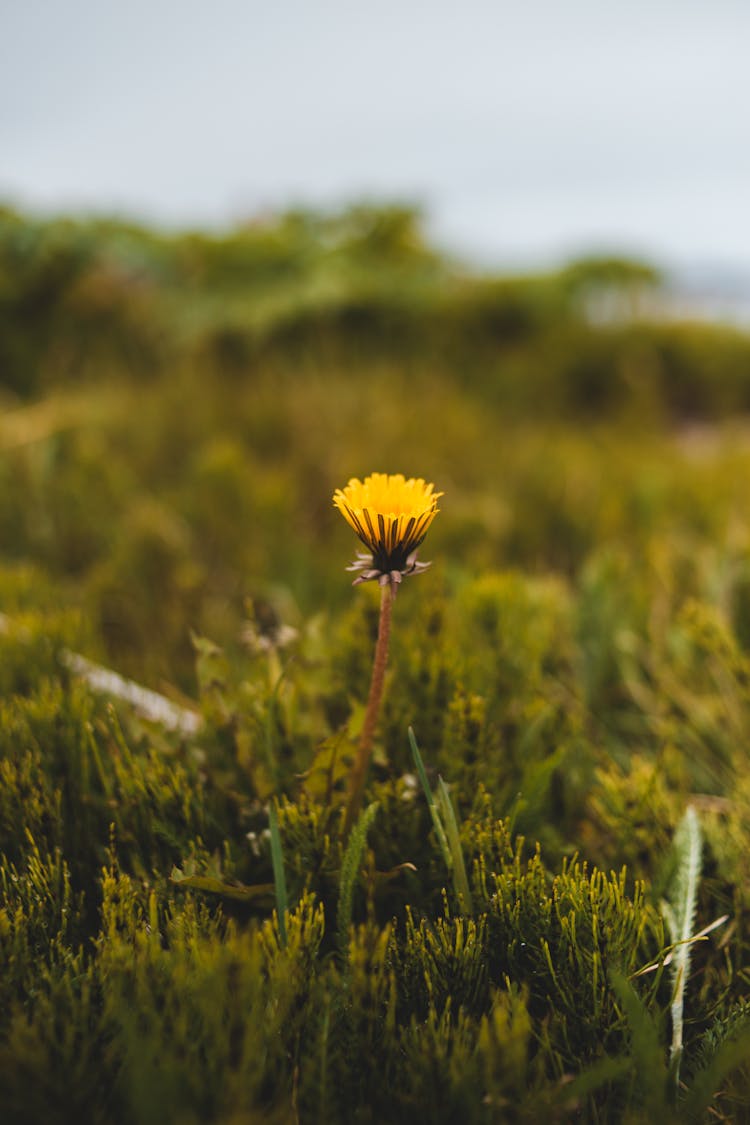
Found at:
[364, 751]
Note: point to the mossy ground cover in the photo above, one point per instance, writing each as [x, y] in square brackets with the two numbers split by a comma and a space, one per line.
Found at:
[575, 666]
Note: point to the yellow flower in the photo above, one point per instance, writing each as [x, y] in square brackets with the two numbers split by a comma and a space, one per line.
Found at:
[391, 516]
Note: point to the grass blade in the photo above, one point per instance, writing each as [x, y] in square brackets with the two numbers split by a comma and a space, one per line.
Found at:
[350, 866]
[277, 859]
[431, 804]
[460, 882]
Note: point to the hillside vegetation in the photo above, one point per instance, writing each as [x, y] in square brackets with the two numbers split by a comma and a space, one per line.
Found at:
[186, 932]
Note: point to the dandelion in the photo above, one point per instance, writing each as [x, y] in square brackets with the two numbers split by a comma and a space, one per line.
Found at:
[391, 516]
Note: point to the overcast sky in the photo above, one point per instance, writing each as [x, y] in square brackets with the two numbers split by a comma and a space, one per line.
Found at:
[529, 131]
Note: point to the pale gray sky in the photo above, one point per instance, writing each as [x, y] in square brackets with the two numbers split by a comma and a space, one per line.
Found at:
[530, 131]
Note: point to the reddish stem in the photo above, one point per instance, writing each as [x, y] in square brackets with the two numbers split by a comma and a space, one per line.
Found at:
[364, 751]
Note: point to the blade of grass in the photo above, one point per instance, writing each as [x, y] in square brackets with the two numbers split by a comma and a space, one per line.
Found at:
[350, 866]
[460, 882]
[650, 1070]
[431, 804]
[277, 860]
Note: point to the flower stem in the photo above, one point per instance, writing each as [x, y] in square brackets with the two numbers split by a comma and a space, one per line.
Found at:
[364, 751]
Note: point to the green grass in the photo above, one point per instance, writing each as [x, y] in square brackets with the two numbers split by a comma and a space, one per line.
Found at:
[185, 933]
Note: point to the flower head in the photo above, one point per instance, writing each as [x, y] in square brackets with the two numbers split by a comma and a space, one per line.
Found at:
[391, 515]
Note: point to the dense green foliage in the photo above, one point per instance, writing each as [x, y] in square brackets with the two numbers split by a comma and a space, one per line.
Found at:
[576, 666]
